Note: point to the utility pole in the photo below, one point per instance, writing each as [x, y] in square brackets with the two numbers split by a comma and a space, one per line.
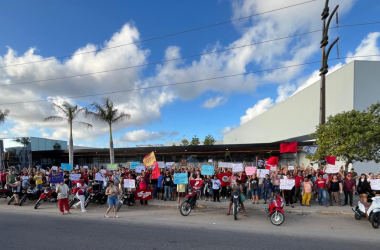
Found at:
[325, 57]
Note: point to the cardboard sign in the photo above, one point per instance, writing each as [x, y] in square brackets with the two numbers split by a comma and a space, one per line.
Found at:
[287, 184]
[98, 177]
[54, 168]
[263, 172]
[332, 169]
[207, 170]
[237, 167]
[250, 170]
[74, 177]
[135, 164]
[103, 171]
[169, 164]
[144, 195]
[129, 183]
[375, 184]
[161, 164]
[67, 166]
[225, 165]
[112, 166]
[139, 169]
[56, 177]
[181, 178]
[291, 168]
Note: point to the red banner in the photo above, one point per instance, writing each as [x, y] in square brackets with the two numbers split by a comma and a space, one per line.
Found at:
[156, 171]
[330, 160]
[224, 178]
[196, 184]
[290, 147]
[144, 194]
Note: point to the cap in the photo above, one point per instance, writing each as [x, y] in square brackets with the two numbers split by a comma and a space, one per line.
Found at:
[349, 175]
[352, 169]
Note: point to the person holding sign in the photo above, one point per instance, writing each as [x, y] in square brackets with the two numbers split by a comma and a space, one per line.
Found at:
[112, 192]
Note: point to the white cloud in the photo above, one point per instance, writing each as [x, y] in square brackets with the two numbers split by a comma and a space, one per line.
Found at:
[3, 134]
[226, 130]
[284, 91]
[259, 108]
[145, 136]
[368, 46]
[214, 102]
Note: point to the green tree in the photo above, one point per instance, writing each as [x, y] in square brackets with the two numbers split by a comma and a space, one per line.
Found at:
[69, 113]
[209, 140]
[352, 136]
[106, 113]
[3, 115]
[195, 141]
[173, 145]
[185, 142]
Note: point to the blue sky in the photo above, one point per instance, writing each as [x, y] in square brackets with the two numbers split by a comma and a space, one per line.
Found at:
[57, 28]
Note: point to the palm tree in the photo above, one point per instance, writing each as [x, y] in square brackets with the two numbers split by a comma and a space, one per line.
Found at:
[105, 112]
[3, 115]
[68, 112]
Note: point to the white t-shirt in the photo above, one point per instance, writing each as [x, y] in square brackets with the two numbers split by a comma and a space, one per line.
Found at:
[63, 190]
[215, 184]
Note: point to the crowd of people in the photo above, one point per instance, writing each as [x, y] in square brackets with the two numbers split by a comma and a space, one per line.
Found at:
[311, 186]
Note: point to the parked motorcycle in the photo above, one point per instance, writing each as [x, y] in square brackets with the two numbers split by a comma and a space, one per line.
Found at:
[49, 194]
[5, 193]
[127, 198]
[96, 195]
[74, 199]
[275, 210]
[187, 205]
[236, 206]
[369, 211]
[32, 193]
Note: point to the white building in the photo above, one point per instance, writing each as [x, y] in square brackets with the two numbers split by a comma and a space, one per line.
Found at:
[354, 86]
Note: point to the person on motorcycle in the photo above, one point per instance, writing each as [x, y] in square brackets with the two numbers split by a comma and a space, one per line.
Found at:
[236, 190]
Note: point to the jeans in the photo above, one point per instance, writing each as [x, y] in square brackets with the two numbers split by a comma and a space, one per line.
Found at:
[267, 192]
[322, 196]
[154, 190]
[168, 190]
[39, 187]
[346, 195]
[260, 192]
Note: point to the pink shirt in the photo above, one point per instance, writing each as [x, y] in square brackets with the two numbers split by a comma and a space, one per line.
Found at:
[307, 186]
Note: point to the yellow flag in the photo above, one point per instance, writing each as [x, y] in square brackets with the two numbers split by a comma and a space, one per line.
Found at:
[149, 159]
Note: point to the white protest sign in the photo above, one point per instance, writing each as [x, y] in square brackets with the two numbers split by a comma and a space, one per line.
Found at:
[77, 167]
[291, 168]
[74, 177]
[210, 160]
[273, 168]
[375, 184]
[139, 169]
[129, 183]
[161, 164]
[98, 177]
[225, 165]
[25, 177]
[263, 172]
[169, 164]
[54, 168]
[237, 167]
[85, 167]
[103, 171]
[332, 169]
[287, 184]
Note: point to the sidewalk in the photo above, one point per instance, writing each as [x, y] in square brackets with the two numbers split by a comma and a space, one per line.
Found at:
[315, 207]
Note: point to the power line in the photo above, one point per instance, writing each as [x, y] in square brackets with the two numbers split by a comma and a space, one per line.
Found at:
[185, 57]
[181, 83]
[163, 36]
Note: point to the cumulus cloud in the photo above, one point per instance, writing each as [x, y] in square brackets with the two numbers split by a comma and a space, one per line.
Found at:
[259, 108]
[3, 134]
[214, 102]
[368, 46]
[146, 136]
[227, 129]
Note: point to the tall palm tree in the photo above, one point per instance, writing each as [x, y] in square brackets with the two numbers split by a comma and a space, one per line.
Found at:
[105, 112]
[68, 112]
[3, 115]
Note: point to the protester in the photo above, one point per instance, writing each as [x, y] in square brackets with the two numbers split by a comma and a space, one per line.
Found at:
[3, 178]
[39, 179]
[16, 189]
[349, 187]
[167, 184]
[267, 187]
[112, 192]
[173, 189]
[297, 188]
[81, 194]
[237, 189]
[335, 188]
[11, 177]
[160, 188]
[363, 188]
[307, 190]
[215, 188]
[321, 186]
[142, 186]
[63, 197]
[288, 194]
[254, 189]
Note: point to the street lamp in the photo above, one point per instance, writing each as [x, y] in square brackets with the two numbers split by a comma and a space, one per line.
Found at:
[325, 57]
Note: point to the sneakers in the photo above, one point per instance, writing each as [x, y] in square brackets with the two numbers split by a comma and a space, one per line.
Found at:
[83, 211]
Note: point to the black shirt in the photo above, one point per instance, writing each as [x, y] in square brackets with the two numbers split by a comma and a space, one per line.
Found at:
[254, 183]
[167, 180]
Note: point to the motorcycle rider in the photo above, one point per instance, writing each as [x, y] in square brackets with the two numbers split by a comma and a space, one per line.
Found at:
[236, 190]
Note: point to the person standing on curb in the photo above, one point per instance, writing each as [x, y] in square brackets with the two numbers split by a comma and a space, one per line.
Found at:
[167, 184]
[215, 188]
[63, 197]
[112, 191]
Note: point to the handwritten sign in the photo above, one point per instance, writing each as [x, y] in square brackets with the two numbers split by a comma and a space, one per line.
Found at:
[287, 184]
[169, 164]
[161, 164]
[98, 177]
[67, 166]
[225, 165]
[74, 177]
[129, 183]
[56, 177]
[250, 170]
[237, 167]
[144, 195]
[103, 171]
[207, 170]
[332, 169]
[135, 164]
[273, 168]
[375, 184]
[25, 178]
[54, 168]
[139, 169]
[263, 172]
[112, 166]
[291, 168]
[181, 178]
[85, 167]
[210, 160]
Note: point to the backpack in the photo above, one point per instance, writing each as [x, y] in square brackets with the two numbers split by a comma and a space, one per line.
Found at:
[142, 185]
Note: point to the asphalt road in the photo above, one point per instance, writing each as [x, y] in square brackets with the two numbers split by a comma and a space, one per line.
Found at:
[164, 228]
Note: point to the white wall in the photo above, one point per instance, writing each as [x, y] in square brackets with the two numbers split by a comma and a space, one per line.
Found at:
[367, 84]
[299, 114]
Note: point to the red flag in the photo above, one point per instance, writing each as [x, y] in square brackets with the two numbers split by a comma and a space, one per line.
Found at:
[290, 147]
[144, 195]
[330, 160]
[224, 178]
[196, 184]
[271, 162]
[156, 171]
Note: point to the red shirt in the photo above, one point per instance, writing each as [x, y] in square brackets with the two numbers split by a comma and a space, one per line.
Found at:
[298, 181]
[243, 178]
[85, 177]
[4, 177]
[320, 183]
